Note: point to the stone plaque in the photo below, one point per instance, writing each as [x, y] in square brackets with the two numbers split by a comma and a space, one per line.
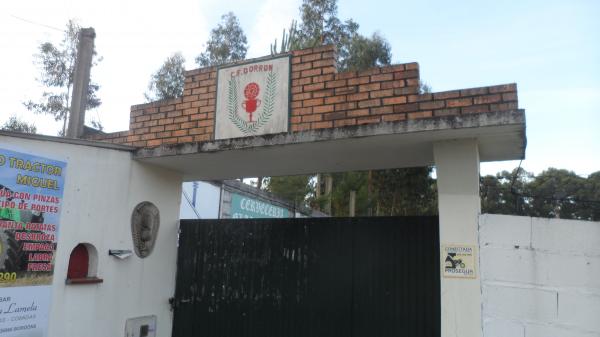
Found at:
[253, 98]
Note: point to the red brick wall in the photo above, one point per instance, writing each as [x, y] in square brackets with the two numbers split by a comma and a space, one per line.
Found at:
[321, 98]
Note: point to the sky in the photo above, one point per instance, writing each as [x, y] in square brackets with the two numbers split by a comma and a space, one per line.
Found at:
[551, 49]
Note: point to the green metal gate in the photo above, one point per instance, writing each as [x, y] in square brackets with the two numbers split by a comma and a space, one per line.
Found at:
[311, 277]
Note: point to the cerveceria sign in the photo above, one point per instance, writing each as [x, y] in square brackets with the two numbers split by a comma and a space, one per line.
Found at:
[243, 207]
[253, 98]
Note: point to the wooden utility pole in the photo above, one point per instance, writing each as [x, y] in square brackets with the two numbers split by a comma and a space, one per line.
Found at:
[328, 190]
[81, 82]
[352, 206]
[318, 189]
[370, 193]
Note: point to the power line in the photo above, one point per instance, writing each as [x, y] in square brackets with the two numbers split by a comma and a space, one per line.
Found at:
[515, 175]
[36, 23]
[187, 198]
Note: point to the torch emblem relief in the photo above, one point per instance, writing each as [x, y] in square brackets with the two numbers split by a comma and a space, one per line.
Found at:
[257, 111]
[251, 91]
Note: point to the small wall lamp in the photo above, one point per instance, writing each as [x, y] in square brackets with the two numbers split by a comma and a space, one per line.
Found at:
[120, 253]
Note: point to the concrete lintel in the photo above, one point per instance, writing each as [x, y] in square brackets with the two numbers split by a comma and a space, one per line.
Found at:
[409, 143]
[505, 118]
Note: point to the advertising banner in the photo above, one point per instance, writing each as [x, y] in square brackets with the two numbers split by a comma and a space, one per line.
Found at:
[253, 98]
[31, 192]
[243, 207]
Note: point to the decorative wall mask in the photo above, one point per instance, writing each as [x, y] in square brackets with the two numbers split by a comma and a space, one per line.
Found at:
[145, 220]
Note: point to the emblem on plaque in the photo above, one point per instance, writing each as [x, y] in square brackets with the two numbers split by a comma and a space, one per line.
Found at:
[251, 104]
[253, 98]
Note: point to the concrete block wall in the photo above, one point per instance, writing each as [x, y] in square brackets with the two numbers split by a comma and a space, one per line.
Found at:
[540, 277]
[321, 97]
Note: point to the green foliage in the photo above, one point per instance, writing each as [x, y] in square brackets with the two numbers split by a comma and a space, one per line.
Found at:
[364, 52]
[498, 193]
[17, 125]
[320, 25]
[407, 191]
[557, 191]
[227, 43]
[553, 193]
[343, 184]
[389, 192]
[298, 189]
[57, 68]
[412, 191]
[424, 88]
[589, 198]
[167, 82]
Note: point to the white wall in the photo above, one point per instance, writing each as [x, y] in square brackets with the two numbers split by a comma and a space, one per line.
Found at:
[102, 186]
[540, 277]
[208, 197]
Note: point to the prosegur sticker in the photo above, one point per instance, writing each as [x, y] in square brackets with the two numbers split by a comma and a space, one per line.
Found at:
[459, 261]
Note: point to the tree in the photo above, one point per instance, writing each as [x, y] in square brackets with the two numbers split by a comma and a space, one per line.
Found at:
[57, 66]
[343, 184]
[364, 52]
[167, 82]
[503, 193]
[424, 88]
[15, 124]
[320, 25]
[555, 194]
[390, 192]
[589, 197]
[297, 189]
[227, 43]
[406, 191]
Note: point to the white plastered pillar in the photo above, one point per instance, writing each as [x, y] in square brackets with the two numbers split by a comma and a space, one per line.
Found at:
[457, 168]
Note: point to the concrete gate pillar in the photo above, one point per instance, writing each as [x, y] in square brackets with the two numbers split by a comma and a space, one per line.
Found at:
[457, 167]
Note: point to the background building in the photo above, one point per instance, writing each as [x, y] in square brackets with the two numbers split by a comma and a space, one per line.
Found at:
[233, 199]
